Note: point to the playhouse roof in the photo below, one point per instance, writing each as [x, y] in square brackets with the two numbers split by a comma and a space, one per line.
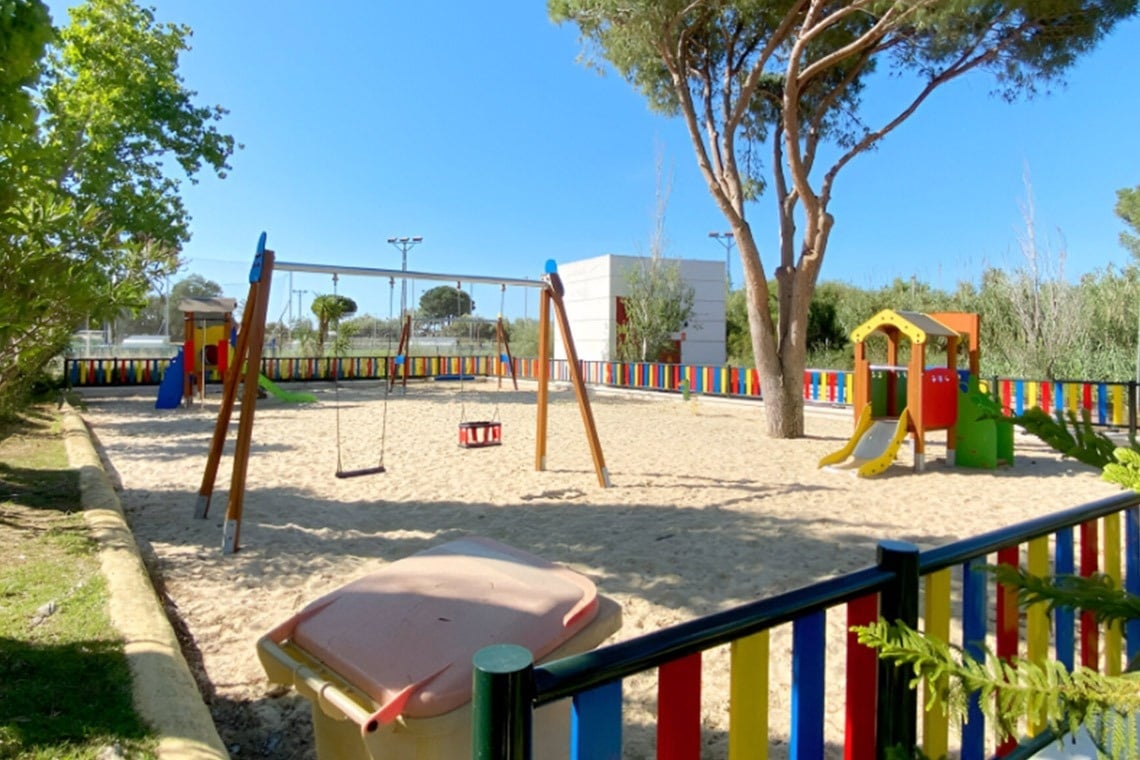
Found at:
[917, 327]
[207, 305]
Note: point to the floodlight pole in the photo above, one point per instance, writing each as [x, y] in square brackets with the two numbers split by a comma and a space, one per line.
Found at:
[404, 244]
[726, 239]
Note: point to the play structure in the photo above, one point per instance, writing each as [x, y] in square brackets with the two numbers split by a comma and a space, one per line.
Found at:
[243, 370]
[892, 401]
[208, 323]
[206, 350]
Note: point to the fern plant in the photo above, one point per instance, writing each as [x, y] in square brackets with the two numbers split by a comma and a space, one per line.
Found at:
[1007, 690]
[1064, 700]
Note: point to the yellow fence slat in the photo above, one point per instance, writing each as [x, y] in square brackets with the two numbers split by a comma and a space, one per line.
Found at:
[1037, 616]
[748, 699]
[935, 724]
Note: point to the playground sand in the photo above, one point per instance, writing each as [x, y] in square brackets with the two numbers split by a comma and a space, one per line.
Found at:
[705, 513]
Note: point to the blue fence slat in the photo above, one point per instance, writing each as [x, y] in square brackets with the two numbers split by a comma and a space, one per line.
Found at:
[807, 686]
[974, 577]
[1063, 618]
[1019, 396]
[1102, 403]
[1132, 574]
[595, 723]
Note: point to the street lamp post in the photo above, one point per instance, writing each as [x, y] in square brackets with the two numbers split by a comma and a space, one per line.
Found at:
[299, 294]
[726, 239]
[404, 244]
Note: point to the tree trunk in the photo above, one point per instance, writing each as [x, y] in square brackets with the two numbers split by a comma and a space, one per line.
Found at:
[784, 400]
[781, 380]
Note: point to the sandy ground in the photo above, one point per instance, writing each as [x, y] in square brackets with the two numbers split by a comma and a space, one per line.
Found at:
[705, 513]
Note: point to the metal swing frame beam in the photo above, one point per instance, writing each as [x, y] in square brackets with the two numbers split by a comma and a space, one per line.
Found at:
[247, 360]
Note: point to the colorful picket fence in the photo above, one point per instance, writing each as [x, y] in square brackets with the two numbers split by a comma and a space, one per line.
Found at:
[881, 708]
[1108, 403]
[96, 372]
[134, 371]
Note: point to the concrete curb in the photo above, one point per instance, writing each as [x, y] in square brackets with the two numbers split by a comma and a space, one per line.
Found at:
[165, 693]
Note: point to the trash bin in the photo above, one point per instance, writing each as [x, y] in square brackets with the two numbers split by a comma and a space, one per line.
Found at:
[386, 659]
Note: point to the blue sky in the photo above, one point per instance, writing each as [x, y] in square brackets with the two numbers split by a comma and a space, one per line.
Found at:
[472, 125]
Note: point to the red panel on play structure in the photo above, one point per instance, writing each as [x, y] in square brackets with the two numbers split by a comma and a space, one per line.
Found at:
[939, 398]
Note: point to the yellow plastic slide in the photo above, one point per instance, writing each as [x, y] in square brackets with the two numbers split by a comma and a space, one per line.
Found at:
[872, 447]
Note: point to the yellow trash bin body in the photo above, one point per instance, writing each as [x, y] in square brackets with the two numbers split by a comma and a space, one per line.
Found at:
[386, 659]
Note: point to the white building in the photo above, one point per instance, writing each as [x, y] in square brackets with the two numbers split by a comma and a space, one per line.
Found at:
[594, 287]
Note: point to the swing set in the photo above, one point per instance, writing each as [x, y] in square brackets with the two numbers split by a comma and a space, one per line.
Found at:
[245, 368]
[478, 434]
[378, 468]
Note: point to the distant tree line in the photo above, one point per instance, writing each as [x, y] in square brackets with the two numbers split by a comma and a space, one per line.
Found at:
[1034, 328]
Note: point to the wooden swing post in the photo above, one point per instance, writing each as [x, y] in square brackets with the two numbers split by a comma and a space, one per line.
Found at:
[231, 530]
[504, 347]
[401, 351]
[246, 367]
[556, 290]
[258, 293]
[543, 378]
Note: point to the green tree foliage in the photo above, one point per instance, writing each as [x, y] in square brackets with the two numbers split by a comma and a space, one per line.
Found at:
[1109, 299]
[789, 76]
[445, 303]
[329, 309]
[468, 328]
[1097, 342]
[25, 30]
[89, 217]
[658, 304]
[1128, 209]
[830, 321]
[116, 112]
[738, 342]
[192, 286]
[523, 335]
[374, 328]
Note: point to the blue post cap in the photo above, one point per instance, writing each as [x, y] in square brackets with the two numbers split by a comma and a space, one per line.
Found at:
[255, 270]
[551, 267]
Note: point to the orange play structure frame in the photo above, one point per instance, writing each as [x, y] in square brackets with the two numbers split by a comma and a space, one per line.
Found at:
[932, 394]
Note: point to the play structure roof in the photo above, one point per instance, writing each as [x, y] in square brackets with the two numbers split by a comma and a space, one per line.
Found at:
[914, 325]
[207, 305]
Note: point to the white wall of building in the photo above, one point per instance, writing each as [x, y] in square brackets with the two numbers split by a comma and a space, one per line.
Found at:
[593, 286]
[589, 307]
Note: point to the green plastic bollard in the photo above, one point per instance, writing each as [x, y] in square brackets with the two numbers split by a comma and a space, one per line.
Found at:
[501, 704]
[685, 389]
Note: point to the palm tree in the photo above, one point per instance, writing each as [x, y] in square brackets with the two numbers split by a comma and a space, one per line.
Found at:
[329, 309]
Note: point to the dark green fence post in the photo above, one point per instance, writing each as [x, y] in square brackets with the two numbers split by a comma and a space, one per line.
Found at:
[897, 703]
[1131, 409]
[502, 703]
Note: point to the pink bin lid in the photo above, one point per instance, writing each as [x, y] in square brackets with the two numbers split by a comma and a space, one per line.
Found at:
[405, 635]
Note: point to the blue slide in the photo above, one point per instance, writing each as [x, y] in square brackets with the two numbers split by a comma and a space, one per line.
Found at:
[170, 389]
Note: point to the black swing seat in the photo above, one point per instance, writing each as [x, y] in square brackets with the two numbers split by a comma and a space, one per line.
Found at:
[480, 433]
[345, 474]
